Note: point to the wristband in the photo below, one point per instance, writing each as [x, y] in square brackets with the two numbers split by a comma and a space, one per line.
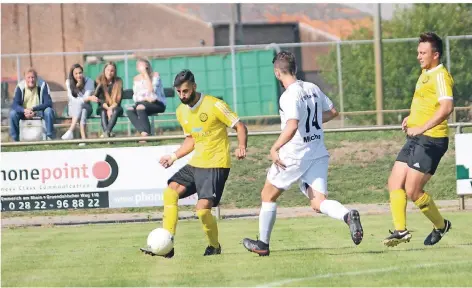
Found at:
[173, 156]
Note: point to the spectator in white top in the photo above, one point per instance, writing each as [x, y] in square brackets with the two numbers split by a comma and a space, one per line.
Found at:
[148, 96]
[79, 92]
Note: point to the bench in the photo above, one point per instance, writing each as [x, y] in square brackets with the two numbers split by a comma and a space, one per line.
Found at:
[127, 101]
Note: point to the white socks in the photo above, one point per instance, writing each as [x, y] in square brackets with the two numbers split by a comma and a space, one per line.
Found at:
[268, 213]
[333, 209]
[267, 220]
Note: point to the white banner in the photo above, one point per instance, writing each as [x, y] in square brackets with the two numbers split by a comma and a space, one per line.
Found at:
[464, 163]
[87, 178]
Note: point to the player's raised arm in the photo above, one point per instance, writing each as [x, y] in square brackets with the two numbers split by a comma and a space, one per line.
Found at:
[187, 146]
[241, 131]
[445, 109]
[230, 119]
[330, 115]
[286, 135]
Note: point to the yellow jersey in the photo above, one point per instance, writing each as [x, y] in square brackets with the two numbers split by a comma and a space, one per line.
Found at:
[206, 122]
[433, 86]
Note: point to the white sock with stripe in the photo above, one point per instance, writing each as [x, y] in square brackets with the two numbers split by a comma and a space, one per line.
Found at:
[266, 220]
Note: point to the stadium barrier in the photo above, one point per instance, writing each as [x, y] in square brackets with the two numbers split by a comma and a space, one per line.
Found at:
[125, 177]
[463, 156]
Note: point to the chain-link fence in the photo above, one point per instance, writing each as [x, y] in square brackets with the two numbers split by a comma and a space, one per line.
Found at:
[243, 77]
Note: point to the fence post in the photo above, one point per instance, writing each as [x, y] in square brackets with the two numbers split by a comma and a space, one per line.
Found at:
[459, 129]
[340, 81]
[233, 56]
[461, 202]
[126, 71]
[233, 74]
[18, 69]
[448, 55]
[461, 197]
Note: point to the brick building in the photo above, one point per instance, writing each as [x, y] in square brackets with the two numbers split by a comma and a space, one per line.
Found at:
[41, 28]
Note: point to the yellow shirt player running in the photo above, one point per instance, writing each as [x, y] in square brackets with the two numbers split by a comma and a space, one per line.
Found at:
[427, 141]
[204, 120]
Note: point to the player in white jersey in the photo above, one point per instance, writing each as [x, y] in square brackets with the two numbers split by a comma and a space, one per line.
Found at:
[299, 154]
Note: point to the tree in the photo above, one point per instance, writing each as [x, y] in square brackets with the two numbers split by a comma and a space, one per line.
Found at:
[401, 69]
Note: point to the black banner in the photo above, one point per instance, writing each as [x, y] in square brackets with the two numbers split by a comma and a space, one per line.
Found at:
[35, 202]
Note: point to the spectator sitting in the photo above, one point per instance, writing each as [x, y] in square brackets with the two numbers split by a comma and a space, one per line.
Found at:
[79, 90]
[109, 92]
[148, 95]
[32, 99]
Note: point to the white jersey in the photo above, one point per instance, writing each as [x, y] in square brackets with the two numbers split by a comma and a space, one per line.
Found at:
[305, 102]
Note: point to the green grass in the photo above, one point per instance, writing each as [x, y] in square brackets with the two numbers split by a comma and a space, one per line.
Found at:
[317, 251]
[358, 173]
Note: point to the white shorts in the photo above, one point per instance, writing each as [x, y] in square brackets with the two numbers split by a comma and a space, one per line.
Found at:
[312, 172]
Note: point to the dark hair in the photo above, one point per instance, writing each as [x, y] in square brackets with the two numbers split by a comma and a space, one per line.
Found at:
[435, 41]
[72, 82]
[285, 61]
[184, 76]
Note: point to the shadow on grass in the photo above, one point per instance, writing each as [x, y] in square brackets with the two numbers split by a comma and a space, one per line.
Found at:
[342, 250]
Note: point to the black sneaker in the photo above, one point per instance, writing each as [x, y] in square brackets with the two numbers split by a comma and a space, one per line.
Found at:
[354, 222]
[210, 250]
[147, 251]
[256, 246]
[396, 237]
[436, 235]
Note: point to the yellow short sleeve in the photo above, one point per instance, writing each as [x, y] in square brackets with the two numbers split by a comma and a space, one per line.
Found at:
[225, 114]
[444, 85]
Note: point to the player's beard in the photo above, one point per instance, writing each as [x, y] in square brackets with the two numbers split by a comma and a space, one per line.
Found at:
[190, 99]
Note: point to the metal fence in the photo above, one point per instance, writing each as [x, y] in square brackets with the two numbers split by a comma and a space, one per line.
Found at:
[329, 64]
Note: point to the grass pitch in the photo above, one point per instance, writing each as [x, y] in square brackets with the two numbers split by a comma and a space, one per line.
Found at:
[311, 251]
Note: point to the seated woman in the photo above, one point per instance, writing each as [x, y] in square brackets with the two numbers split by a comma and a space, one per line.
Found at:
[109, 92]
[79, 91]
[148, 96]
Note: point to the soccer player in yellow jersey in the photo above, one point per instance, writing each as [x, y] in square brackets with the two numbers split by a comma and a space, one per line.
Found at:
[427, 141]
[204, 119]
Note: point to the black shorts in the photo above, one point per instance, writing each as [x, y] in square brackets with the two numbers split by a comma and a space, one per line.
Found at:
[423, 153]
[208, 183]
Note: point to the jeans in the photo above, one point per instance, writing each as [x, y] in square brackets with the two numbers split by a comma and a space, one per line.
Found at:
[48, 115]
[139, 117]
[108, 124]
[80, 110]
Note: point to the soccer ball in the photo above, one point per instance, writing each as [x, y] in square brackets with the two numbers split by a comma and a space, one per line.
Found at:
[160, 241]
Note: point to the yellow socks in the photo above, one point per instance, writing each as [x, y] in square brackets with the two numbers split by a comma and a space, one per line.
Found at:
[429, 209]
[209, 226]
[398, 208]
[171, 210]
